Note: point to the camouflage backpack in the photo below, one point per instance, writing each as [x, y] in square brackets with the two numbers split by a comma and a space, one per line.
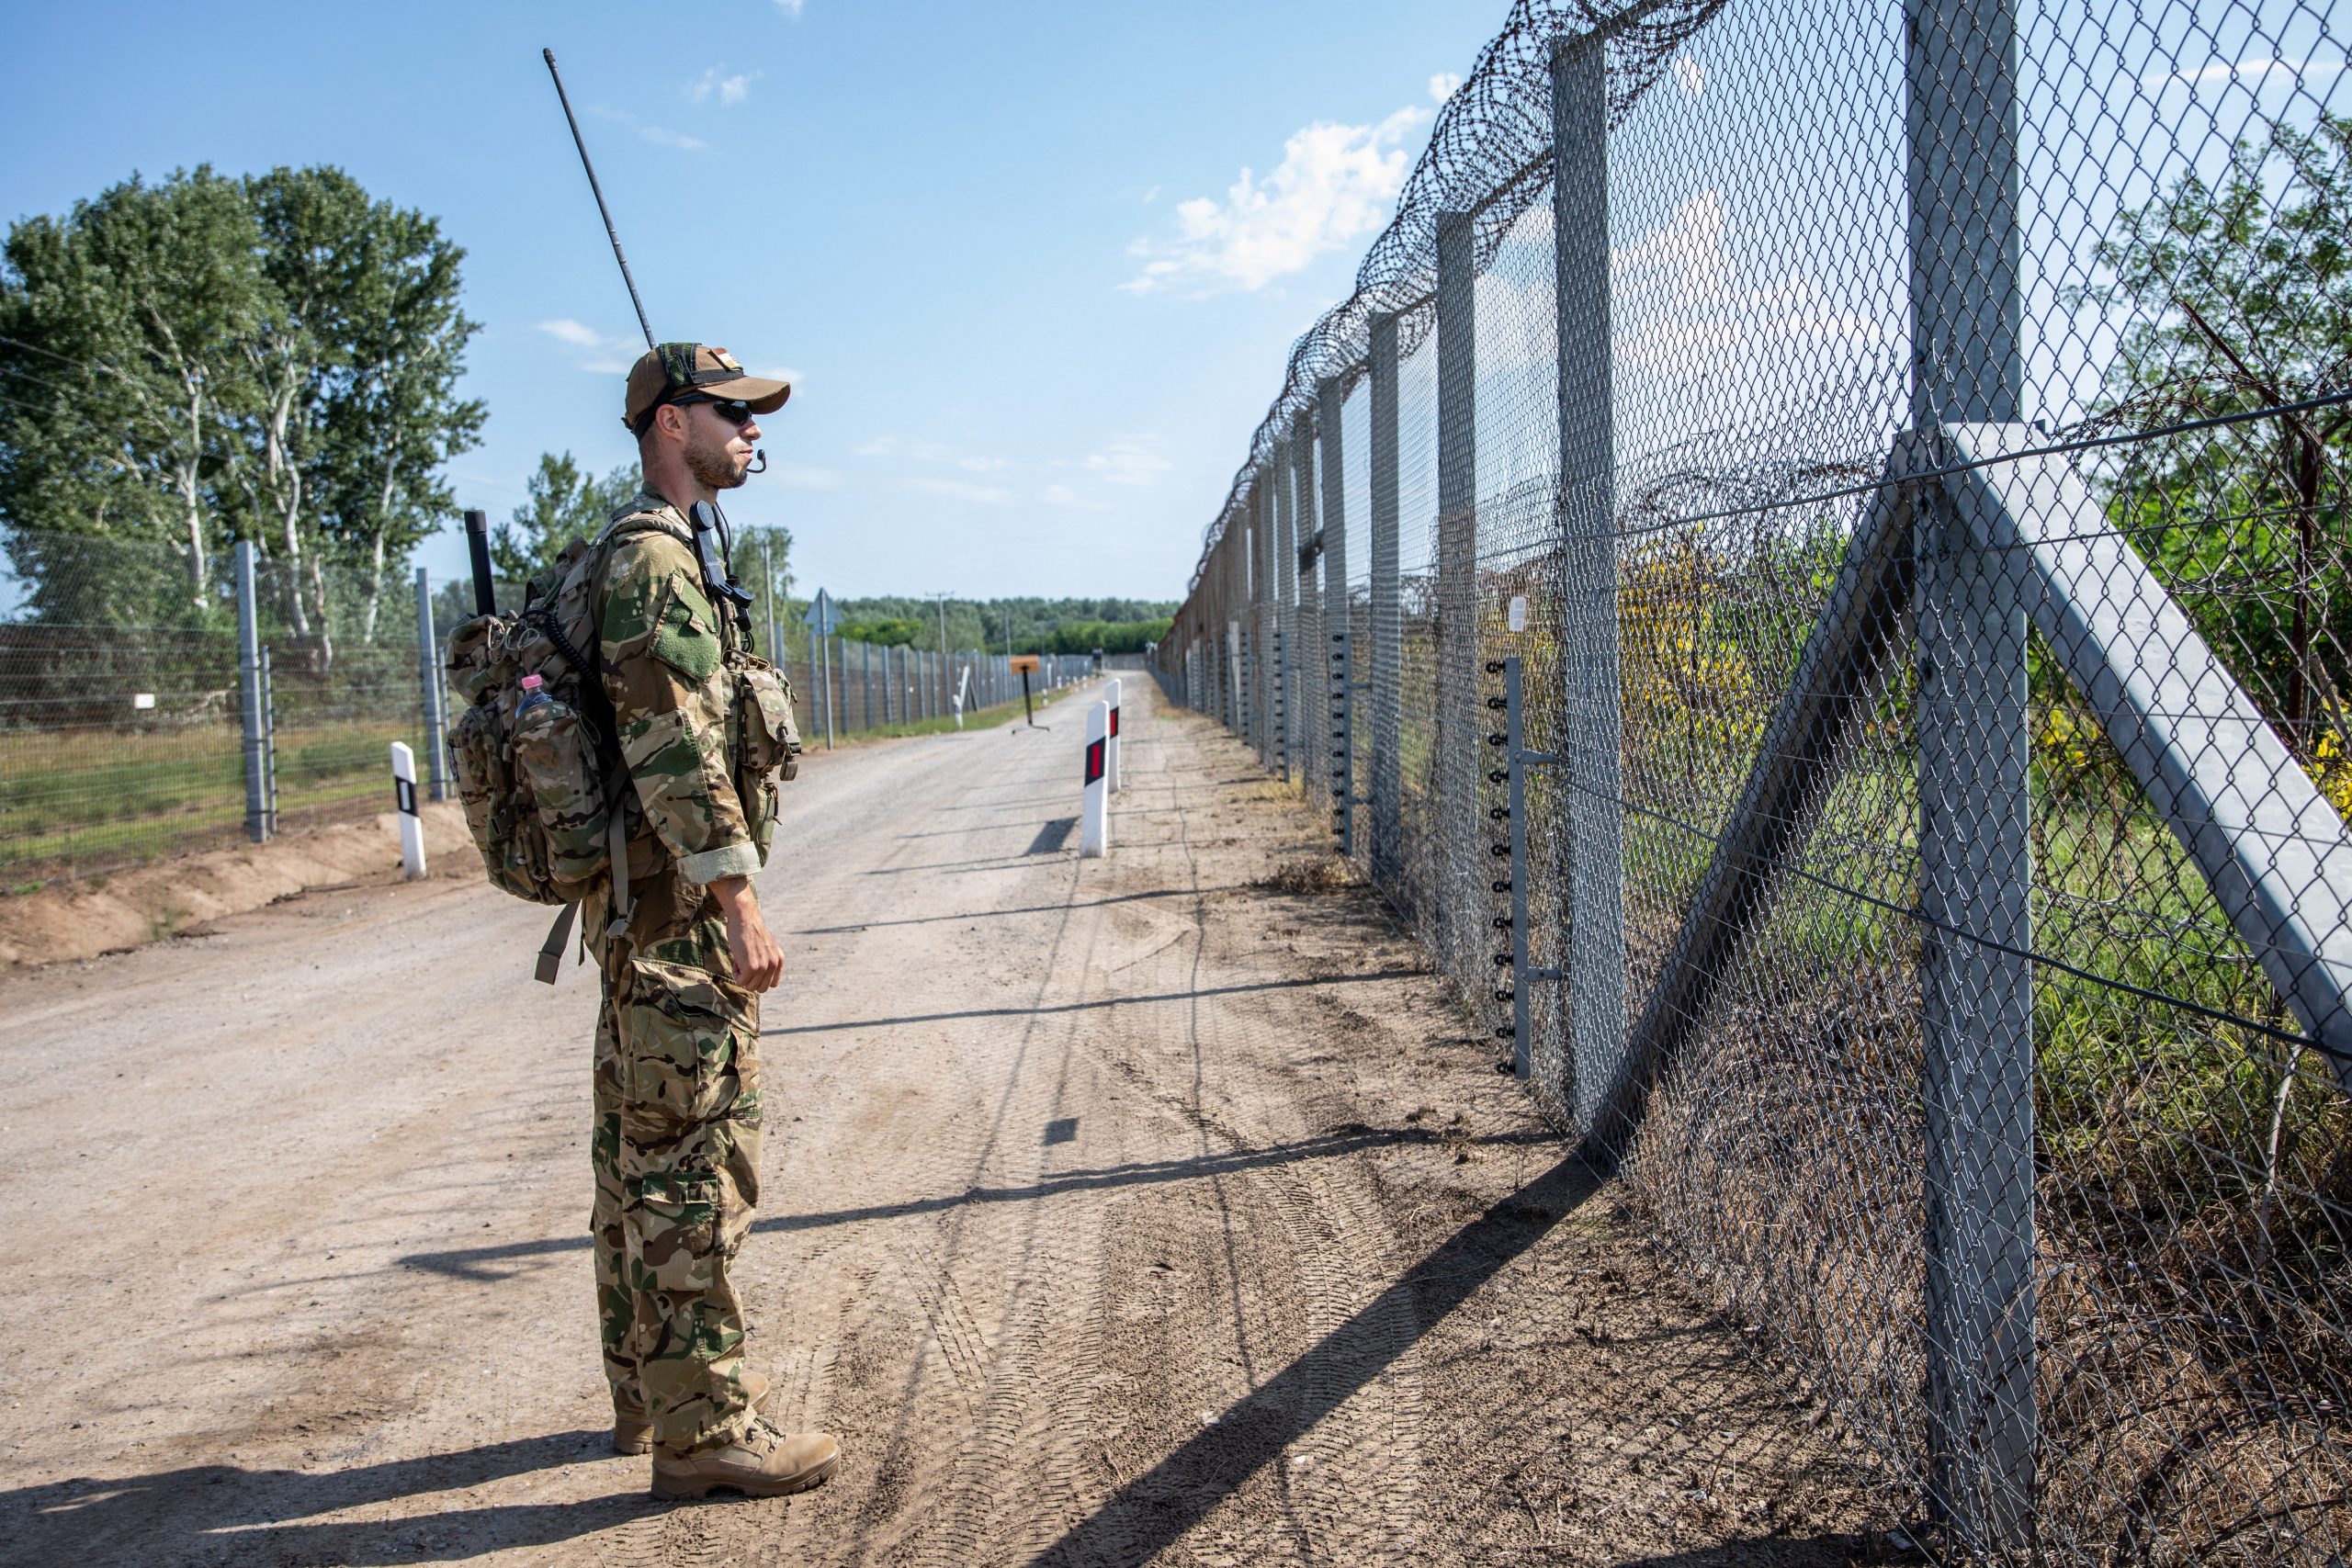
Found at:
[546, 797]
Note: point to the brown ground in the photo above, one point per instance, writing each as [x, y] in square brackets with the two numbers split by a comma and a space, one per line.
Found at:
[1117, 1211]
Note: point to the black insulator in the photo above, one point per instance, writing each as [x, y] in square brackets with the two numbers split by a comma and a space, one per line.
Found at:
[1500, 852]
[1498, 739]
[1500, 886]
[1499, 813]
[1497, 775]
[1504, 1031]
[1502, 922]
[1504, 993]
[1493, 666]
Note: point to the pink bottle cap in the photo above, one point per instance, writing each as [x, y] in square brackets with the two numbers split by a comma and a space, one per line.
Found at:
[531, 683]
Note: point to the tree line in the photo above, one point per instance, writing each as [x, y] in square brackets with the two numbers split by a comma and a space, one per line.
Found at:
[211, 358]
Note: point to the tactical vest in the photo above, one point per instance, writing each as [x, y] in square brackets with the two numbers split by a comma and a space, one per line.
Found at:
[547, 799]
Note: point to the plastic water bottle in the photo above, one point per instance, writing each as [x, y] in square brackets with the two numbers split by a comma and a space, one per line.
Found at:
[535, 698]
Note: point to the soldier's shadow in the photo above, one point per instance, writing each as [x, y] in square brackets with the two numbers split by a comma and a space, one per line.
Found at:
[224, 1513]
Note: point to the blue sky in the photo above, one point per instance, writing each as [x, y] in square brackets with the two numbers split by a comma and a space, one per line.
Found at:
[1021, 367]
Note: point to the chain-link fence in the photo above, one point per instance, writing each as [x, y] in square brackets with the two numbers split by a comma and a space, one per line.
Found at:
[1841, 520]
[137, 722]
[130, 720]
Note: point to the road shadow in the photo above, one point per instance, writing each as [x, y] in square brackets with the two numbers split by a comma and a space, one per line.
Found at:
[482, 1264]
[225, 1513]
[1302, 982]
[1840, 1548]
[1159, 1507]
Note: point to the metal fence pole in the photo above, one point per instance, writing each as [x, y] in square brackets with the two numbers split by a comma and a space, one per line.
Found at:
[1308, 647]
[1593, 728]
[767, 591]
[1339, 665]
[843, 643]
[249, 694]
[430, 684]
[268, 742]
[1456, 888]
[1387, 624]
[1975, 870]
[1284, 579]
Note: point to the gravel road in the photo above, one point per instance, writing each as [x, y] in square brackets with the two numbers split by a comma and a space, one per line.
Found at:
[1117, 1211]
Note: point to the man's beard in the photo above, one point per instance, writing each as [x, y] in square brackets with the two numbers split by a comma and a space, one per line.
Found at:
[714, 468]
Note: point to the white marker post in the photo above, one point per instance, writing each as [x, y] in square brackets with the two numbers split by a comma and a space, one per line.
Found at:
[1094, 818]
[1113, 762]
[412, 826]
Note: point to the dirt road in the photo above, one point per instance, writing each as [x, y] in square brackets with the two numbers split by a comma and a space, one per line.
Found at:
[1115, 1212]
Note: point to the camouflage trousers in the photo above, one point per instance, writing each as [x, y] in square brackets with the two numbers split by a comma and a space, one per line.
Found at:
[676, 1149]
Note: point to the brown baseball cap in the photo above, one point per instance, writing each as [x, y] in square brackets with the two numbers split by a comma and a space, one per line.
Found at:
[670, 371]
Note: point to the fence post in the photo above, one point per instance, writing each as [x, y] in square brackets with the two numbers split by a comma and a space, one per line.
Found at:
[1339, 665]
[1458, 889]
[428, 674]
[249, 694]
[768, 593]
[1593, 726]
[1975, 872]
[842, 643]
[1281, 581]
[865, 680]
[268, 744]
[1308, 647]
[1387, 624]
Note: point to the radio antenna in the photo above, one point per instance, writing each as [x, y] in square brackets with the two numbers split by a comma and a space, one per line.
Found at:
[598, 191]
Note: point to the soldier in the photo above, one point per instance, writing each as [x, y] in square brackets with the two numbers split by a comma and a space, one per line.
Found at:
[677, 1085]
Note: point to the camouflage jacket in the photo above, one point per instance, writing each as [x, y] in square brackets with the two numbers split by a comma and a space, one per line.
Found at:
[664, 650]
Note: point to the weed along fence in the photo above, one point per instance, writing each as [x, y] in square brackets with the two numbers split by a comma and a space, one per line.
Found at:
[1813, 568]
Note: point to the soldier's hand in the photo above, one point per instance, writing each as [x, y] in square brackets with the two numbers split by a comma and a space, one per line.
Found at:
[759, 961]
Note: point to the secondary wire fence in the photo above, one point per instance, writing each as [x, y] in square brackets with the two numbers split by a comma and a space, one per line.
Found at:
[133, 726]
[1813, 568]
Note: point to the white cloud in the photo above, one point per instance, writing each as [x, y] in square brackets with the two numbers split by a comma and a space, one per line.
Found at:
[1152, 196]
[1444, 85]
[660, 134]
[1691, 74]
[790, 7]
[2252, 70]
[982, 464]
[1060, 495]
[1333, 185]
[880, 447]
[726, 89]
[1687, 308]
[1123, 463]
[961, 490]
[606, 355]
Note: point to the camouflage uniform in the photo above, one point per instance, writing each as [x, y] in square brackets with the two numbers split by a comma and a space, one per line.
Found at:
[676, 1146]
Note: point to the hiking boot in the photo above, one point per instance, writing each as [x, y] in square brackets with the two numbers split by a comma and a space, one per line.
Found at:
[633, 1434]
[762, 1462]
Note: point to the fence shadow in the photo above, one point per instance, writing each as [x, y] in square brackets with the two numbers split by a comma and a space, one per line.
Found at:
[1157, 1507]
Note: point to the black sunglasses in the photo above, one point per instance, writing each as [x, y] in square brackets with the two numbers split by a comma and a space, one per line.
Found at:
[734, 411]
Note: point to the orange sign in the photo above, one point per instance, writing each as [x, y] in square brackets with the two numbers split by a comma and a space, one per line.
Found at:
[1024, 664]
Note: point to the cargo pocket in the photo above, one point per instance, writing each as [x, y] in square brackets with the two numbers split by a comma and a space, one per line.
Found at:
[673, 1220]
[678, 1032]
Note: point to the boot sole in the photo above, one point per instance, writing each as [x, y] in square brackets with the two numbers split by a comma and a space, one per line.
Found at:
[784, 1486]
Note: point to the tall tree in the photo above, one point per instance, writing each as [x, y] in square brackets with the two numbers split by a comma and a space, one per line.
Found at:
[565, 502]
[2236, 297]
[123, 367]
[357, 367]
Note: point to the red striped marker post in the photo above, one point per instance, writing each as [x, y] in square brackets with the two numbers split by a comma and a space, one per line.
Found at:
[1094, 817]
